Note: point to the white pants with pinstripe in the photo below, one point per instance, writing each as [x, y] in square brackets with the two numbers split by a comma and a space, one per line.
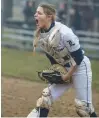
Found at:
[82, 80]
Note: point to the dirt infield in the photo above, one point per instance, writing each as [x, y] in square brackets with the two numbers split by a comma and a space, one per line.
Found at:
[18, 98]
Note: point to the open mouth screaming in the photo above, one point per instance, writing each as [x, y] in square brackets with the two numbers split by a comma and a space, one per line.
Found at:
[37, 22]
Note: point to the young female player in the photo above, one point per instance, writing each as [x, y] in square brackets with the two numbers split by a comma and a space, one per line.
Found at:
[62, 46]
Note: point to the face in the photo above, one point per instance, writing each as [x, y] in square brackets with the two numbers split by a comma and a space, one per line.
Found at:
[41, 18]
[30, 4]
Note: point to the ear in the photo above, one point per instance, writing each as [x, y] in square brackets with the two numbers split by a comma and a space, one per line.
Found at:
[49, 17]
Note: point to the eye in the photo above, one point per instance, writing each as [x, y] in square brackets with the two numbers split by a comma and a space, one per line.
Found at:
[40, 13]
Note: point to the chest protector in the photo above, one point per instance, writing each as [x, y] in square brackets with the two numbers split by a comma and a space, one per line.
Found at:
[49, 42]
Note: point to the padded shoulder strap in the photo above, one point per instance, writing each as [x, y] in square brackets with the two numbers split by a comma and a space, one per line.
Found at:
[54, 37]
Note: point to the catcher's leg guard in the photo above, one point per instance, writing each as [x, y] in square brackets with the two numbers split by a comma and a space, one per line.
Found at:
[43, 105]
[84, 110]
[93, 114]
[38, 112]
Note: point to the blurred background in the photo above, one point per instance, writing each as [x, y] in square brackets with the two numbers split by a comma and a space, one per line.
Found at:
[18, 24]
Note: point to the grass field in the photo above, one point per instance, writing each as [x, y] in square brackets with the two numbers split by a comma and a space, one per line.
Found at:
[24, 65]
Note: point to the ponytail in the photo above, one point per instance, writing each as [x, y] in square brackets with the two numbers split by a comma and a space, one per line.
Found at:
[36, 38]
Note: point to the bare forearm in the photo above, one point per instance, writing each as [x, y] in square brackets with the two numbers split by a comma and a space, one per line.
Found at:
[69, 73]
[72, 70]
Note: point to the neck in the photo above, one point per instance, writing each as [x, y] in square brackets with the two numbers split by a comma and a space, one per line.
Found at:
[48, 26]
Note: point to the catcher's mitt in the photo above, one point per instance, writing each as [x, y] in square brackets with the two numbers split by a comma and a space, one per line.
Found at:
[53, 74]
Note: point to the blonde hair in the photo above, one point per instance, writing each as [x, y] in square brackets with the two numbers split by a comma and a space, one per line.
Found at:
[49, 9]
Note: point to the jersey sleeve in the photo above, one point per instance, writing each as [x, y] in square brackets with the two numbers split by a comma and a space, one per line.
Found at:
[71, 42]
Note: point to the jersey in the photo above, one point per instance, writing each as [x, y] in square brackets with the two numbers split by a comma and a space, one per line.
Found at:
[61, 43]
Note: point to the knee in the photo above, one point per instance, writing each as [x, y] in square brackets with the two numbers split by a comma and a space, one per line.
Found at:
[42, 106]
[45, 100]
[82, 109]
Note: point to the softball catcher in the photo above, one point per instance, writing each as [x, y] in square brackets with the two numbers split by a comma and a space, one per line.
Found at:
[62, 47]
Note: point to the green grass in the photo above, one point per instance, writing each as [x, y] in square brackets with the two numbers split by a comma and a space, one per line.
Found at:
[24, 65]
[95, 70]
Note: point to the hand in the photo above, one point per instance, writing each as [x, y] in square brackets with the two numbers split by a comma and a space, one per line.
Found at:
[65, 77]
